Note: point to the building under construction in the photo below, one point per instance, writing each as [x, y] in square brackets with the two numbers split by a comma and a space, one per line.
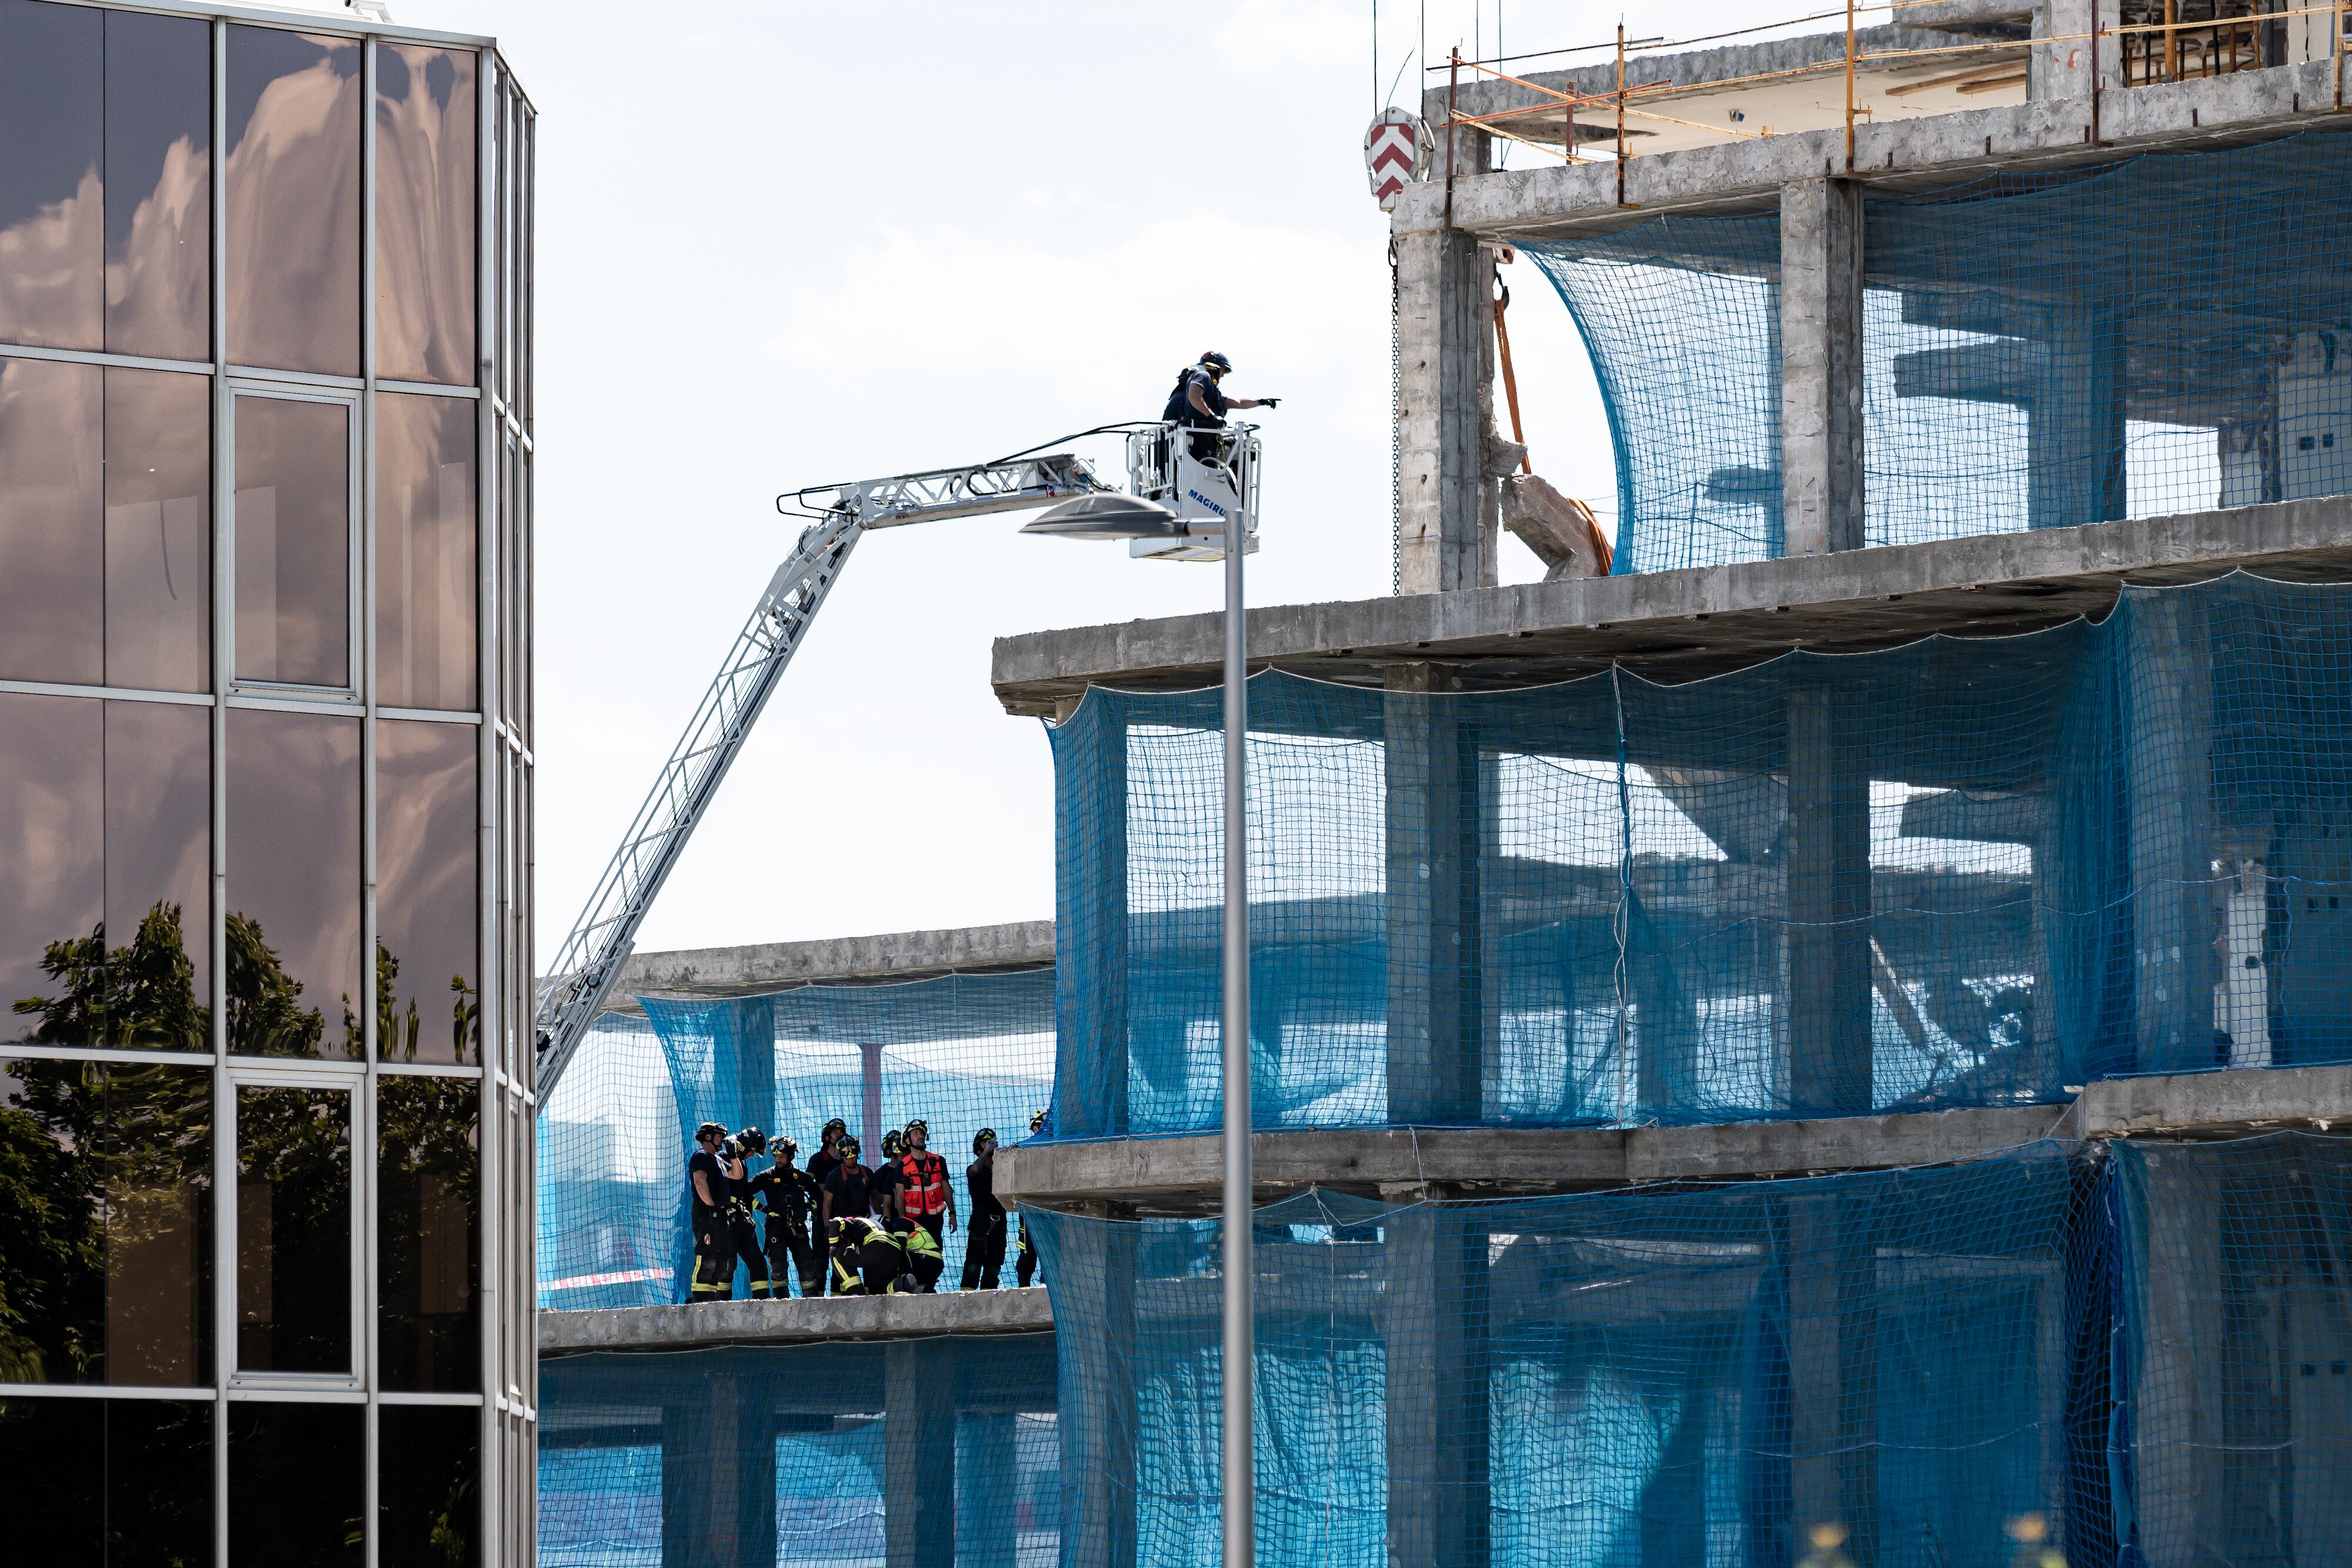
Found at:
[1822, 1042]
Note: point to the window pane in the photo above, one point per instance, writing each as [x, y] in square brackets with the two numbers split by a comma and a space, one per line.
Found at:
[159, 841]
[52, 880]
[107, 1480]
[51, 593]
[158, 529]
[426, 1234]
[293, 1229]
[108, 1272]
[428, 1496]
[293, 201]
[427, 901]
[424, 552]
[297, 1486]
[294, 965]
[51, 214]
[159, 212]
[425, 214]
[293, 541]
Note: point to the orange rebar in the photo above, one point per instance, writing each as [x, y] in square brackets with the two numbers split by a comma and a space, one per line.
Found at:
[1510, 381]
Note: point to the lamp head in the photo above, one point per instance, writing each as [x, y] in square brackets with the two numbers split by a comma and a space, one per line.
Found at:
[1108, 517]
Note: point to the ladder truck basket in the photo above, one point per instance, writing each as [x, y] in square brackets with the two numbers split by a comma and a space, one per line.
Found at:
[1202, 476]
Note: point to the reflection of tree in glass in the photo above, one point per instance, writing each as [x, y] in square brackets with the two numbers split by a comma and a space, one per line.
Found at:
[140, 997]
[427, 1200]
[293, 1151]
[99, 1164]
[398, 1029]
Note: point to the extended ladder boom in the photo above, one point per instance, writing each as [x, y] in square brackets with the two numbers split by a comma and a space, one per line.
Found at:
[590, 961]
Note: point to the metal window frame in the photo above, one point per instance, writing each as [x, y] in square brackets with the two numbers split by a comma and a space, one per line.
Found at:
[337, 1077]
[349, 696]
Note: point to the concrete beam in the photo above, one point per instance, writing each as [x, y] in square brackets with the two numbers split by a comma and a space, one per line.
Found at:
[2226, 1103]
[696, 972]
[794, 1322]
[1673, 626]
[1181, 1175]
[1557, 200]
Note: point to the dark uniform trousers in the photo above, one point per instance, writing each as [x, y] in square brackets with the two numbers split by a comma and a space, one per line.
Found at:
[743, 1232]
[714, 1256]
[983, 1251]
[787, 1241]
[1024, 1264]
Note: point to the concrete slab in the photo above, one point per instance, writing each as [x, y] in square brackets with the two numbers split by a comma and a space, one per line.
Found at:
[795, 1322]
[1672, 626]
[709, 972]
[1179, 1175]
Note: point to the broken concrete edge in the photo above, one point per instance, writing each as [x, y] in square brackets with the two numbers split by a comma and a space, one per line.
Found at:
[1920, 153]
[1181, 1174]
[704, 1326]
[1882, 597]
[890, 959]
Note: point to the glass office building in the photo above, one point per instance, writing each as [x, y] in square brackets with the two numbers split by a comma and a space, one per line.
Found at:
[265, 790]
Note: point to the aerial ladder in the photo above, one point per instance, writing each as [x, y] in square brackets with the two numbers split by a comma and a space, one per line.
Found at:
[1192, 483]
[590, 961]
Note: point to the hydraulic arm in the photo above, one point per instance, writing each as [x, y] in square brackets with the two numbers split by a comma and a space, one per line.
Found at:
[589, 962]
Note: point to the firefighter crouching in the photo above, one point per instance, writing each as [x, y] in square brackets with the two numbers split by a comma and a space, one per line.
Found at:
[868, 1259]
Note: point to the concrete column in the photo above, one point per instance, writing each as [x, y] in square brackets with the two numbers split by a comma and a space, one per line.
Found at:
[919, 1458]
[1820, 366]
[1445, 333]
[1434, 1328]
[869, 1099]
[1833, 1368]
[1435, 1038]
[2168, 731]
[2074, 432]
[987, 1486]
[718, 1474]
[1828, 911]
[1090, 1054]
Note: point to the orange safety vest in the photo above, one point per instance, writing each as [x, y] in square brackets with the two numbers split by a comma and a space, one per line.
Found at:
[924, 1190]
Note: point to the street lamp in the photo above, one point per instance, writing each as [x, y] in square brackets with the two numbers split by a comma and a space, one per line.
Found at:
[1118, 517]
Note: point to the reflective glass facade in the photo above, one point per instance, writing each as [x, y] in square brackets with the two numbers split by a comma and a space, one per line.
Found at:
[265, 791]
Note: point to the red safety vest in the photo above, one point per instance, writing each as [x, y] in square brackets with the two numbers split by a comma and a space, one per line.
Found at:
[923, 1191]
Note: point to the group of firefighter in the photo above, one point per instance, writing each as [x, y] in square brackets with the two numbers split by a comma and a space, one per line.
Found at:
[838, 1226]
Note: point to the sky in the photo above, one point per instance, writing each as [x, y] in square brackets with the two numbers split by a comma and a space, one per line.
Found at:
[783, 245]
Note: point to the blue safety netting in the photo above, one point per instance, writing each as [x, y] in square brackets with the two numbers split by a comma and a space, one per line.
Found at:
[962, 1051]
[1968, 872]
[827, 1456]
[1652, 1379]
[2233, 1352]
[2163, 334]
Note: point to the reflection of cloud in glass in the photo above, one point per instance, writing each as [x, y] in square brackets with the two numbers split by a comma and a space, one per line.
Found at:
[293, 541]
[424, 552]
[293, 178]
[50, 588]
[158, 479]
[425, 214]
[158, 185]
[50, 207]
[51, 877]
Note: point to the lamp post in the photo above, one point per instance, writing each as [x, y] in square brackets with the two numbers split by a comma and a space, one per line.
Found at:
[1114, 516]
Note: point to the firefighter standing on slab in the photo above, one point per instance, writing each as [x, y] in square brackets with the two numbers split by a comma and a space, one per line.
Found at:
[714, 1243]
[925, 1199]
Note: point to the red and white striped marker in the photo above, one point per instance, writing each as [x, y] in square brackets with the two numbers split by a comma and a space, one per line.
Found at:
[1393, 150]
